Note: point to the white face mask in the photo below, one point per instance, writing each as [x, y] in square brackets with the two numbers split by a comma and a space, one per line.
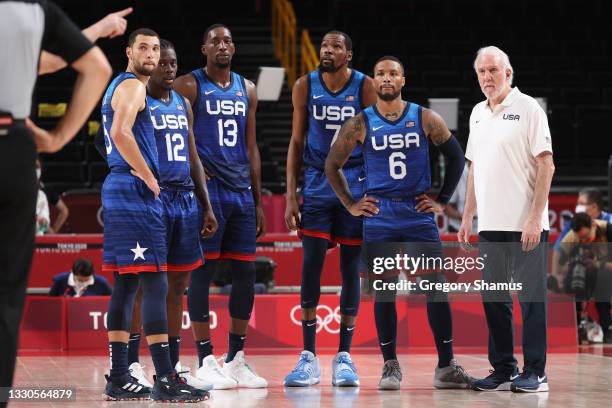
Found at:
[580, 208]
[38, 172]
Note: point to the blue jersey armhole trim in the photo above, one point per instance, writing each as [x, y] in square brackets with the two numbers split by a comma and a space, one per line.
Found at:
[246, 93]
[363, 149]
[361, 84]
[195, 105]
[309, 91]
[420, 115]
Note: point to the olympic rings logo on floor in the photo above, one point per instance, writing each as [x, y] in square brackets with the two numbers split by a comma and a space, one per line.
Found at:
[327, 318]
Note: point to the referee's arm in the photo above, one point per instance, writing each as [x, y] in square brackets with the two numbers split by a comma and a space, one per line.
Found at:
[63, 38]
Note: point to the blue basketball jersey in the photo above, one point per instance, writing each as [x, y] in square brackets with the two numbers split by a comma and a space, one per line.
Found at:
[327, 111]
[220, 120]
[171, 134]
[142, 130]
[396, 154]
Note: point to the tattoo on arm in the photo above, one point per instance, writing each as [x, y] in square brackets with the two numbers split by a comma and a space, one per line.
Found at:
[351, 132]
[436, 128]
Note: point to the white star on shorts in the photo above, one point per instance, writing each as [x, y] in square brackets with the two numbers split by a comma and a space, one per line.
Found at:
[138, 251]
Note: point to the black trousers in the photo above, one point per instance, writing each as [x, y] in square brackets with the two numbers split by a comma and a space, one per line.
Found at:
[506, 262]
[18, 193]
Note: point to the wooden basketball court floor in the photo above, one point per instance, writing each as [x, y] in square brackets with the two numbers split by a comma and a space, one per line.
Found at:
[576, 380]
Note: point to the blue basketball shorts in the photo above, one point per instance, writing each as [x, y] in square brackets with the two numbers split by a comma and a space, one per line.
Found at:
[235, 213]
[134, 226]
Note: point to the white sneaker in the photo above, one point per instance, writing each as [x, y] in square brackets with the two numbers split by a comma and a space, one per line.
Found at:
[136, 371]
[211, 373]
[185, 373]
[242, 373]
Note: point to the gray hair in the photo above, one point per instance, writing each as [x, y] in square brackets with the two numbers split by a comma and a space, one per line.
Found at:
[493, 50]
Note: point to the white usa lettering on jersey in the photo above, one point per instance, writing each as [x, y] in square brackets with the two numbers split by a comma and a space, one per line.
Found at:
[334, 113]
[170, 121]
[226, 107]
[397, 141]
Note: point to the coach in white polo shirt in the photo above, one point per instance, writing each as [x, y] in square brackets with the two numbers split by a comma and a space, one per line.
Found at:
[510, 170]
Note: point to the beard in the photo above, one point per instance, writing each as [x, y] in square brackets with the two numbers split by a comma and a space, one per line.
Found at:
[222, 65]
[328, 68]
[387, 97]
[145, 70]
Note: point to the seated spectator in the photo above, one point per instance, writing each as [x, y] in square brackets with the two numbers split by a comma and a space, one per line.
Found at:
[53, 199]
[588, 264]
[81, 281]
[42, 217]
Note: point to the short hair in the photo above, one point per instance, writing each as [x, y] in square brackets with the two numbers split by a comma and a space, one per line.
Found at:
[593, 196]
[390, 58]
[493, 50]
[581, 220]
[82, 267]
[140, 31]
[212, 27]
[165, 44]
[348, 42]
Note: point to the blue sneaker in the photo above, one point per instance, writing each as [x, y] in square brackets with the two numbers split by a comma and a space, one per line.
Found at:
[344, 373]
[496, 381]
[529, 381]
[305, 373]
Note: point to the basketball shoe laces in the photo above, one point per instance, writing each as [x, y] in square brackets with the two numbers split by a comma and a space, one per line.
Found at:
[244, 367]
[392, 368]
[300, 366]
[460, 373]
[346, 364]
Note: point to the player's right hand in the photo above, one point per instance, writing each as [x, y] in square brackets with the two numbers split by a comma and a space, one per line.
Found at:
[209, 225]
[292, 215]
[150, 181]
[366, 206]
[465, 230]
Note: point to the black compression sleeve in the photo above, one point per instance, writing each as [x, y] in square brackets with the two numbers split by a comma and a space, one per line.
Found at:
[62, 37]
[455, 161]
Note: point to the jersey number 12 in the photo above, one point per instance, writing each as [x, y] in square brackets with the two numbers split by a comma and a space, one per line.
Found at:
[174, 144]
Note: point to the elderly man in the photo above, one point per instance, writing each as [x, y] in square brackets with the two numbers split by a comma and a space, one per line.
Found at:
[510, 171]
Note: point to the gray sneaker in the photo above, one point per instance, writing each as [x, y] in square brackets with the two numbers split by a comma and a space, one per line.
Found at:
[453, 376]
[391, 376]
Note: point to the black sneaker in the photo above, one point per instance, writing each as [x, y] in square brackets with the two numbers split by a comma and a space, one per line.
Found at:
[170, 388]
[496, 381]
[125, 389]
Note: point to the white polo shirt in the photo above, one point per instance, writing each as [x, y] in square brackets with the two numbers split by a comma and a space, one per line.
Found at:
[502, 147]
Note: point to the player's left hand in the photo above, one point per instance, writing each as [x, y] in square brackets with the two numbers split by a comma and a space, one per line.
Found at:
[530, 237]
[427, 204]
[261, 221]
[209, 225]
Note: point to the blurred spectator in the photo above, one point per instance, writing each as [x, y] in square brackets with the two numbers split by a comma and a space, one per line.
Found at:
[454, 208]
[585, 251]
[81, 281]
[590, 201]
[42, 217]
[53, 199]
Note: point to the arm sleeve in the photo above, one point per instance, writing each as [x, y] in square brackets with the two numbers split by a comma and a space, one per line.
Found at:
[62, 37]
[55, 288]
[539, 133]
[455, 162]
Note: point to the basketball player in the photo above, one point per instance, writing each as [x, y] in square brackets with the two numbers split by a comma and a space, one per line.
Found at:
[394, 207]
[134, 229]
[180, 173]
[224, 106]
[322, 101]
